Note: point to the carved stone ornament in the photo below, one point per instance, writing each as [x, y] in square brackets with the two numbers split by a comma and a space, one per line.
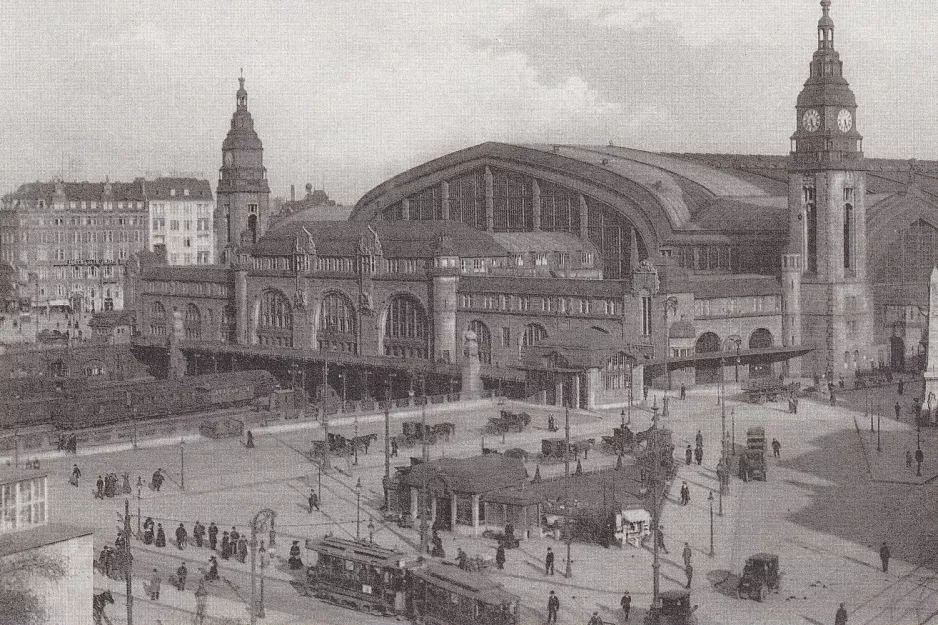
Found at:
[645, 278]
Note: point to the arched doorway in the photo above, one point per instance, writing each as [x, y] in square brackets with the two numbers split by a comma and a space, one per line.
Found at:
[760, 339]
[705, 373]
[896, 353]
[405, 329]
[483, 339]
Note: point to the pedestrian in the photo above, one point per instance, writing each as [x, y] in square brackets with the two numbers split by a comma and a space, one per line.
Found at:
[686, 554]
[660, 538]
[212, 535]
[744, 467]
[683, 392]
[908, 458]
[685, 494]
[154, 588]
[901, 386]
[233, 537]
[125, 487]
[698, 440]
[549, 562]
[688, 455]
[76, 475]
[100, 484]
[242, 549]
[645, 393]
[689, 571]
[212, 573]
[225, 546]
[776, 448]
[313, 501]
[295, 561]
[626, 603]
[884, 556]
[250, 443]
[794, 402]
[553, 606]
[698, 455]
[198, 533]
[160, 535]
[148, 531]
[898, 410]
[181, 537]
[394, 447]
[841, 617]
[595, 619]
[500, 556]
[201, 604]
[833, 398]
[157, 480]
[181, 573]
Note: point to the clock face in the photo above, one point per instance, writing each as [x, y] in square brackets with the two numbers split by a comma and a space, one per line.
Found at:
[811, 120]
[229, 158]
[844, 120]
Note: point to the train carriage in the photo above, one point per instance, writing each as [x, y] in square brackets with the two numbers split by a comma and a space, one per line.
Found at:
[358, 575]
[445, 595]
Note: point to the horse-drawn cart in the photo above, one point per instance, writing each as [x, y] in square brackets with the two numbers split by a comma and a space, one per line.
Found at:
[761, 390]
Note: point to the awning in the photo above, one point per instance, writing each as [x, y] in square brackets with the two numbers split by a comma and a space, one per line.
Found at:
[729, 358]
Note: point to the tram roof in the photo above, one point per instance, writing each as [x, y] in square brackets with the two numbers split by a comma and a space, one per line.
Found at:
[358, 551]
[464, 583]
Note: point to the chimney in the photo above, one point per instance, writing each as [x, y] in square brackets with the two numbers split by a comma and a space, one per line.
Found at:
[292, 193]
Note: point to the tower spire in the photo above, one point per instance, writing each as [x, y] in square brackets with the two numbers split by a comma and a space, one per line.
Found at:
[825, 27]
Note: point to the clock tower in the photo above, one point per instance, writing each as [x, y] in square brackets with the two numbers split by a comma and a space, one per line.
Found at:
[243, 195]
[826, 294]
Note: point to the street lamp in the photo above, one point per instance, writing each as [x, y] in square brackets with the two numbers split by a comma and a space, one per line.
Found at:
[670, 304]
[869, 407]
[710, 499]
[257, 524]
[265, 562]
[733, 418]
[358, 509]
[182, 463]
[879, 445]
[387, 442]
[139, 486]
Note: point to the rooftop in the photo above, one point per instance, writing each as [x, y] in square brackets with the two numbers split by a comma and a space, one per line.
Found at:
[476, 475]
[19, 541]
[10, 474]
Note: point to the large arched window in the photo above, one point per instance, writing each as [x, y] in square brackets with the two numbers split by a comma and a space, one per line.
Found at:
[405, 329]
[534, 333]
[484, 340]
[760, 339]
[157, 319]
[707, 372]
[275, 321]
[618, 372]
[338, 326]
[192, 323]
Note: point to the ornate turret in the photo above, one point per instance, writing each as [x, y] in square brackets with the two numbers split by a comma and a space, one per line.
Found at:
[826, 132]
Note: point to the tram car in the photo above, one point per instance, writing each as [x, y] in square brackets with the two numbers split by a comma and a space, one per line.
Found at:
[358, 575]
[440, 594]
[126, 401]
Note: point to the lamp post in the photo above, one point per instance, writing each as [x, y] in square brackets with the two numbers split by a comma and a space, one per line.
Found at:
[182, 463]
[387, 442]
[670, 304]
[656, 520]
[738, 341]
[139, 487]
[879, 444]
[568, 572]
[631, 378]
[869, 407]
[265, 562]
[358, 509]
[257, 525]
[319, 483]
[710, 499]
[733, 418]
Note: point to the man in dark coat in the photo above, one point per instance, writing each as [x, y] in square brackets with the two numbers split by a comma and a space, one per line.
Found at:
[683, 392]
[160, 535]
[884, 556]
[295, 561]
[776, 448]
[225, 546]
[549, 562]
[500, 556]
[660, 538]
[212, 535]
[689, 571]
[198, 533]
[313, 501]
[901, 387]
[688, 455]
[181, 536]
[157, 480]
[242, 549]
[626, 603]
[685, 494]
[898, 410]
[698, 455]
[100, 485]
[841, 616]
[553, 606]
[698, 440]
[76, 475]
[233, 535]
[181, 573]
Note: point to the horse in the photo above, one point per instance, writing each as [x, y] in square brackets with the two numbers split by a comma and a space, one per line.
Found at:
[364, 441]
[98, 602]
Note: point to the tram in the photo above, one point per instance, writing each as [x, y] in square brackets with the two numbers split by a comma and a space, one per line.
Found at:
[446, 595]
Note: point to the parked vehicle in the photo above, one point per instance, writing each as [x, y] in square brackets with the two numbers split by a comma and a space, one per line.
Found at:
[673, 609]
[760, 575]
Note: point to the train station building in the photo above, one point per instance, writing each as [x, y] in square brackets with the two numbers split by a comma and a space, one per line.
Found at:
[706, 266]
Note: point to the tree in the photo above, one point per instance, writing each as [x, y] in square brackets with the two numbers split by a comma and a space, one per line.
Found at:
[20, 604]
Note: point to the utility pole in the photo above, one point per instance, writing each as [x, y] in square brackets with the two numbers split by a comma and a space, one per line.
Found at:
[257, 610]
[128, 562]
[426, 460]
[182, 463]
[387, 444]
[568, 571]
[325, 414]
[655, 566]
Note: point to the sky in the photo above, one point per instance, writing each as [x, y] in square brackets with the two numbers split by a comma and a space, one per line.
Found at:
[347, 93]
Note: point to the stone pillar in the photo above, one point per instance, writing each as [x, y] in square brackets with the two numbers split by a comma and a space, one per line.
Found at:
[489, 200]
[576, 390]
[241, 307]
[475, 515]
[558, 392]
[414, 505]
[452, 509]
[471, 369]
[584, 218]
[536, 204]
[444, 317]
[405, 209]
[432, 510]
[444, 199]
